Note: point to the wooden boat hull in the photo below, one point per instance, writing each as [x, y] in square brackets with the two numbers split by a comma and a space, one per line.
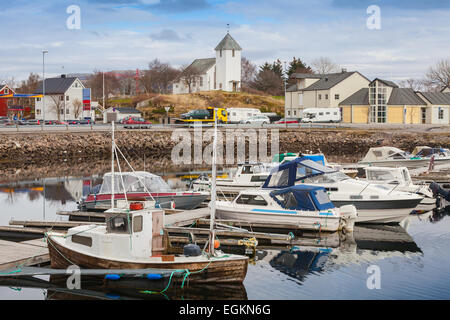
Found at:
[217, 271]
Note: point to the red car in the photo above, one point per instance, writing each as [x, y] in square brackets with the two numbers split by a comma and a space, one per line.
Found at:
[287, 121]
[136, 122]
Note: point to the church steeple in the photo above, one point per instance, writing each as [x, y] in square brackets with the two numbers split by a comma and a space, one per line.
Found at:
[228, 43]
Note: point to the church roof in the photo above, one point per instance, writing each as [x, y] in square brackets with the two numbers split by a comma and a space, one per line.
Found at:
[228, 43]
[200, 66]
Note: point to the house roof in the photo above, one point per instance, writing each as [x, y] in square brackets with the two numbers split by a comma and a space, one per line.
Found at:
[56, 85]
[386, 82]
[228, 43]
[292, 88]
[437, 97]
[329, 80]
[360, 97]
[200, 66]
[5, 86]
[306, 76]
[446, 89]
[405, 96]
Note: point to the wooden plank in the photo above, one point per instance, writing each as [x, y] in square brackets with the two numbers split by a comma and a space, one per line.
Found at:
[36, 242]
[51, 224]
[81, 214]
[186, 217]
[36, 231]
[14, 254]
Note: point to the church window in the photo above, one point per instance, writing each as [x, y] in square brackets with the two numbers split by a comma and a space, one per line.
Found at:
[233, 53]
[220, 86]
[201, 81]
[221, 53]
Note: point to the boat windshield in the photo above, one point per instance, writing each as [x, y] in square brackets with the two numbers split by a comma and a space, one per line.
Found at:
[134, 182]
[400, 156]
[379, 175]
[331, 177]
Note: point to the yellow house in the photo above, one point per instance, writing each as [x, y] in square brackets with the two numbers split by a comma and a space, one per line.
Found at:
[383, 102]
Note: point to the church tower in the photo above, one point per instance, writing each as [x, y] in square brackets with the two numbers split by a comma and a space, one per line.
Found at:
[228, 65]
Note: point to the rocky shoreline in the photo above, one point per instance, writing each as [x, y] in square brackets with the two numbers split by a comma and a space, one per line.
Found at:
[342, 145]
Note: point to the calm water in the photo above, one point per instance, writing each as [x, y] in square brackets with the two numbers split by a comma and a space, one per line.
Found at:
[413, 258]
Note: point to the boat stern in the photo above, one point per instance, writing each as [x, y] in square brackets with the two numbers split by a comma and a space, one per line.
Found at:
[348, 216]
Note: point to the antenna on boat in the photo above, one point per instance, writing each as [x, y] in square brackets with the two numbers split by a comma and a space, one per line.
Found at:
[213, 189]
[113, 149]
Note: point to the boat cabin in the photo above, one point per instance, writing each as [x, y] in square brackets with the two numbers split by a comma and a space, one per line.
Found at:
[384, 153]
[256, 172]
[427, 152]
[300, 169]
[134, 182]
[398, 175]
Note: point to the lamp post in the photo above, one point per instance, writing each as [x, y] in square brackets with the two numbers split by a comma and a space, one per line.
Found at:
[285, 97]
[43, 86]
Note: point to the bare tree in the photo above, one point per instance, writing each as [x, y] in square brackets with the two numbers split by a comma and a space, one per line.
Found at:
[77, 108]
[57, 105]
[189, 76]
[415, 84]
[248, 72]
[95, 82]
[324, 65]
[438, 76]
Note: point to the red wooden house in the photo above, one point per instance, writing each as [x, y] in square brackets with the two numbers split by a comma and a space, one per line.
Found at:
[4, 90]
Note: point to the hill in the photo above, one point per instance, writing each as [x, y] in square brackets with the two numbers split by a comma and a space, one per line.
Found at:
[153, 108]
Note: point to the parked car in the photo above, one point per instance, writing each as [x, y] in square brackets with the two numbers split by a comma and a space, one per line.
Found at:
[256, 119]
[73, 121]
[84, 121]
[136, 122]
[196, 114]
[22, 122]
[287, 121]
[34, 122]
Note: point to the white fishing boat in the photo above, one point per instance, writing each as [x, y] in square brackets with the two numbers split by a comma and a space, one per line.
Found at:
[400, 179]
[375, 203]
[248, 175]
[306, 207]
[132, 238]
[393, 157]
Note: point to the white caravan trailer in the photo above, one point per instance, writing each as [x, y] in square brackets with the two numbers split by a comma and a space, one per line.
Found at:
[237, 114]
[321, 115]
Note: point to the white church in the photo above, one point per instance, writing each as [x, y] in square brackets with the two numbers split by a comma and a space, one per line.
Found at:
[220, 73]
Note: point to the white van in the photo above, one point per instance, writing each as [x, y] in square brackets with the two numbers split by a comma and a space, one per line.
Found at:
[321, 115]
[235, 115]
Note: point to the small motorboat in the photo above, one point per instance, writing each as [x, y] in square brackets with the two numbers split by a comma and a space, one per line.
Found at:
[400, 179]
[303, 206]
[140, 185]
[375, 203]
[133, 239]
[393, 157]
[248, 175]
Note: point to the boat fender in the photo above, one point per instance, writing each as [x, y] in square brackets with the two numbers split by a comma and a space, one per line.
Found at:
[192, 250]
[154, 276]
[112, 277]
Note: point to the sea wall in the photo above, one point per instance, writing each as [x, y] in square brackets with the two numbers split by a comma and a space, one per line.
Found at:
[343, 145]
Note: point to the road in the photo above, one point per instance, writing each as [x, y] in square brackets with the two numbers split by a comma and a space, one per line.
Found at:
[161, 127]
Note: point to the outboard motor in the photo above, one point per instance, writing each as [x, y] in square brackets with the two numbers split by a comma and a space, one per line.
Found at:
[192, 250]
[442, 196]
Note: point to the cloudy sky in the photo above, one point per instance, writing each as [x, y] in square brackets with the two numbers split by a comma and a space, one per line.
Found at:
[127, 34]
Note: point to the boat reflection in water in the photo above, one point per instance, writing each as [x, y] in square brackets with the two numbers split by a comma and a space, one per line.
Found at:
[367, 244]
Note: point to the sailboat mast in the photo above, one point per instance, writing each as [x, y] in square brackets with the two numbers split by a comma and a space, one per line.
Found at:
[213, 188]
[113, 149]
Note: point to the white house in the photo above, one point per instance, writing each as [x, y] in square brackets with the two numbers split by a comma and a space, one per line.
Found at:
[220, 73]
[65, 99]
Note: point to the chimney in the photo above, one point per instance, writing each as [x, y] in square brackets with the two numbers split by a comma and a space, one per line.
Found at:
[63, 76]
[344, 70]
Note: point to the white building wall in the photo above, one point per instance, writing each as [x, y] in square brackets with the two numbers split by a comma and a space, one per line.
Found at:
[435, 114]
[228, 69]
[180, 87]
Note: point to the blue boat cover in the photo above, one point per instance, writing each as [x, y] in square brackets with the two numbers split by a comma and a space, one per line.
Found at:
[303, 197]
[287, 174]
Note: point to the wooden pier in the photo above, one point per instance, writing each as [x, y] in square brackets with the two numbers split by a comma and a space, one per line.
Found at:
[26, 253]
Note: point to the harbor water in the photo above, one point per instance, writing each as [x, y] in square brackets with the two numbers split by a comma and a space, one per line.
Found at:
[406, 261]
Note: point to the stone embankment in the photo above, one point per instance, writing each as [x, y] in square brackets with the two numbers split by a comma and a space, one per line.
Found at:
[343, 145]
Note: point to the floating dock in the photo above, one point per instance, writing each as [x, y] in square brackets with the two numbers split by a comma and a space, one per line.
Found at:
[26, 253]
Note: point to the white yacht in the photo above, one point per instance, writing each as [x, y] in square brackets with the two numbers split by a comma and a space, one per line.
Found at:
[306, 207]
[375, 203]
[399, 179]
[392, 157]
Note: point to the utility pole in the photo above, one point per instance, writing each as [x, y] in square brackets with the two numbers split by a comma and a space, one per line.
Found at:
[285, 97]
[104, 107]
[43, 86]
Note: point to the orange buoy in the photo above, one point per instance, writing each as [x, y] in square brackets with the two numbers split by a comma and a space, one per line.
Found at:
[216, 244]
[135, 206]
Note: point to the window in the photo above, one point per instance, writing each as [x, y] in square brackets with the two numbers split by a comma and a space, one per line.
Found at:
[137, 224]
[61, 98]
[61, 111]
[336, 97]
[221, 53]
[327, 113]
[85, 241]
[67, 98]
[220, 86]
[289, 112]
[320, 113]
[295, 112]
[38, 99]
[326, 97]
[440, 114]
[320, 97]
[67, 111]
[38, 111]
[233, 53]
[250, 199]
[201, 81]
[6, 91]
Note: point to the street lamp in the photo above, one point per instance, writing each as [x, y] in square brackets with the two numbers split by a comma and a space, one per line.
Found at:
[43, 86]
[285, 97]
